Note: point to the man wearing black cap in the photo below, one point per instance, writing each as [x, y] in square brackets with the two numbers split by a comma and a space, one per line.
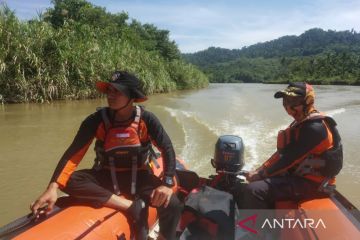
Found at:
[309, 154]
[120, 178]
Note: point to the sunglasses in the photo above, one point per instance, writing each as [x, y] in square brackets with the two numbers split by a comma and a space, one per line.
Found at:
[292, 101]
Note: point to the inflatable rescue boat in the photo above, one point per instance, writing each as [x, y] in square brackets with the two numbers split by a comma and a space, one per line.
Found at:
[329, 217]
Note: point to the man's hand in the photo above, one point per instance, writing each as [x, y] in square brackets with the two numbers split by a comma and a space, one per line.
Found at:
[48, 198]
[253, 176]
[161, 196]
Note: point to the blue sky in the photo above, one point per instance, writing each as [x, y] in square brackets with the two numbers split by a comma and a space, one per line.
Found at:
[198, 24]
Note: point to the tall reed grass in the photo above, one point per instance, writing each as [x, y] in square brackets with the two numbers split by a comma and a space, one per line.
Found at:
[40, 63]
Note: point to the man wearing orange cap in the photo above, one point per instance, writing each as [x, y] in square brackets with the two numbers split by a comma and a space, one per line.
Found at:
[124, 134]
[309, 154]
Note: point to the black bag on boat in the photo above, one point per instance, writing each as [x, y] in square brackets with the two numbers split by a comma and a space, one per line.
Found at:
[208, 214]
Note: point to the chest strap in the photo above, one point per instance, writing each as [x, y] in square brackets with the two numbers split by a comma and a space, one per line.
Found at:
[113, 176]
[134, 160]
[133, 174]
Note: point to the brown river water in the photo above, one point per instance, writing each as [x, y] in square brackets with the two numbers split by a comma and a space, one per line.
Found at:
[33, 137]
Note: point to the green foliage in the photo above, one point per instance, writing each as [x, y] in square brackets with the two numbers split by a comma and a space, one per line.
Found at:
[317, 56]
[74, 44]
[243, 70]
[326, 68]
[187, 76]
[212, 55]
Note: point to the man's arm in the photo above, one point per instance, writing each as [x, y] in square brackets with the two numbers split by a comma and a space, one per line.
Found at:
[161, 195]
[311, 135]
[75, 153]
[162, 141]
[68, 163]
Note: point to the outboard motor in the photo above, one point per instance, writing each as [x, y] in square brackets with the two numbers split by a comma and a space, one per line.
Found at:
[228, 162]
[229, 154]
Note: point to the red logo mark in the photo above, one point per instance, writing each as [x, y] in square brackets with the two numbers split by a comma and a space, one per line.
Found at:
[253, 222]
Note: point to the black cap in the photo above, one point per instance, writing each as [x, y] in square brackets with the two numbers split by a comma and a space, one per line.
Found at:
[295, 89]
[124, 82]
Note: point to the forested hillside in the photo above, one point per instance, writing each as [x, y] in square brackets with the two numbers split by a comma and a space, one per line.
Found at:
[317, 56]
[70, 46]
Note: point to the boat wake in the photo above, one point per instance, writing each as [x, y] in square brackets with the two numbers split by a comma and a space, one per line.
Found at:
[334, 112]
